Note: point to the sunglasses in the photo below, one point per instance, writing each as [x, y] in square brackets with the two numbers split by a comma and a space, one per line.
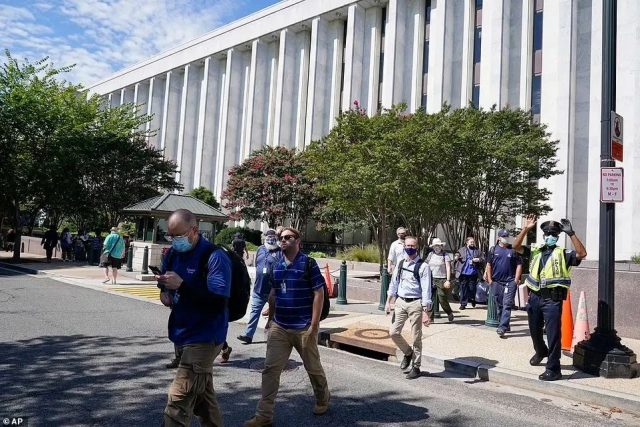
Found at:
[288, 237]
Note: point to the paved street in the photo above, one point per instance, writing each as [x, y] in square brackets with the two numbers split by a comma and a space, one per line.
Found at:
[77, 356]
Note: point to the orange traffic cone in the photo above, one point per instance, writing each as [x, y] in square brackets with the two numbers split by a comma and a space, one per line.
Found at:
[327, 279]
[567, 323]
[582, 330]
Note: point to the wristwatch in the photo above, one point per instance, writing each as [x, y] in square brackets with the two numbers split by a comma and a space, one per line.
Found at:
[425, 309]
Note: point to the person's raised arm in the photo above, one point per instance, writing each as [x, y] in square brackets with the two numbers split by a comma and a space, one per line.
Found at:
[529, 224]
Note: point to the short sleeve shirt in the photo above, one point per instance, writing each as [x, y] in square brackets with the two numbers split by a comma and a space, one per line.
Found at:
[504, 262]
[396, 252]
[438, 264]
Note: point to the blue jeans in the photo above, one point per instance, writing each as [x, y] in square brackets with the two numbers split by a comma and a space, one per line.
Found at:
[545, 310]
[257, 303]
[505, 293]
[468, 284]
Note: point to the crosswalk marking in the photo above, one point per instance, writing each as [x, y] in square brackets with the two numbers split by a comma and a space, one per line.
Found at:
[150, 292]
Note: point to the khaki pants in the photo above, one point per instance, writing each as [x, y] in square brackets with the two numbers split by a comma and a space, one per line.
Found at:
[412, 311]
[191, 391]
[280, 342]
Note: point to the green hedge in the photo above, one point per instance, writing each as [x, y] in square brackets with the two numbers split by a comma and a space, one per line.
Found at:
[225, 236]
[368, 253]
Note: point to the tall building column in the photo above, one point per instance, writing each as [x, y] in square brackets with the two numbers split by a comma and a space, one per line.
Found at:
[416, 20]
[389, 67]
[173, 102]
[371, 65]
[354, 56]
[492, 59]
[141, 99]
[188, 132]
[435, 84]
[213, 99]
[467, 53]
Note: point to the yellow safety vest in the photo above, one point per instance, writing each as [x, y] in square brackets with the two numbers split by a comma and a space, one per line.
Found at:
[554, 273]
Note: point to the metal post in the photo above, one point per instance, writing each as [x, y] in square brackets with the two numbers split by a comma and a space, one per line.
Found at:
[145, 261]
[603, 354]
[492, 309]
[342, 287]
[384, 287]
[130, 259]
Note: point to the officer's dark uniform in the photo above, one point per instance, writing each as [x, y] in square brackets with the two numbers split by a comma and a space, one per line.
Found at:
[545, 303]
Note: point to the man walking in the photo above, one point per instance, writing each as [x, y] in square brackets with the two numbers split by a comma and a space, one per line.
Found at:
[112, 252]
[504, 269]
[548, 282]
[410, 291]
[396, 250]
[198, 321]
[440, 263]
[469, 260]
[239, 246]
[265, 259]
[295, 306]
[50, 241]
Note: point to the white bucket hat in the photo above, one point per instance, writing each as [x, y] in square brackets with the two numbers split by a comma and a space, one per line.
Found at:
[437, 242]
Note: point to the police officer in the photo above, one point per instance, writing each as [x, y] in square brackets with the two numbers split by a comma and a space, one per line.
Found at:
[548, 282]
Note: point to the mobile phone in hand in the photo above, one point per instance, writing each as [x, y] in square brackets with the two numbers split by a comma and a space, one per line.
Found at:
[155, 270]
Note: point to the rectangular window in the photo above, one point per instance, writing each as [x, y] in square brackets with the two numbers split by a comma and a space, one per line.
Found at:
[425, 52]
[477, 53]
[536, 61]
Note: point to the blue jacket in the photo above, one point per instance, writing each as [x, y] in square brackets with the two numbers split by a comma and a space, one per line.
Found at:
[193, 318]
[265, 260]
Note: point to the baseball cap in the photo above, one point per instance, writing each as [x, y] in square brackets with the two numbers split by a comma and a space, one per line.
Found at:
[503, 233]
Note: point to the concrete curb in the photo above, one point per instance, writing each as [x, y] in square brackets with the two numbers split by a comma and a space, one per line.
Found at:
[18, 268]
[564, 388]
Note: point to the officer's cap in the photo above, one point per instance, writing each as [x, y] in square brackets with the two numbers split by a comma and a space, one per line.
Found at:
[551, 228]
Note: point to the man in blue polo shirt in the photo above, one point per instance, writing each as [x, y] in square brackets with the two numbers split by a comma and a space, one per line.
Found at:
[198, 321]
[504, 268]
[295, 306]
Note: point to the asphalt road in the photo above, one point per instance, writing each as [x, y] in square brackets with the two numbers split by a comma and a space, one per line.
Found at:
[76, 356]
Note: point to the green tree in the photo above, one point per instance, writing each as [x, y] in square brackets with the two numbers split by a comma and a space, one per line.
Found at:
[205, 195]
[270, 185]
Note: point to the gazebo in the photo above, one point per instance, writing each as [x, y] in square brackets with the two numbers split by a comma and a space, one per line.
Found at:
[151, 225]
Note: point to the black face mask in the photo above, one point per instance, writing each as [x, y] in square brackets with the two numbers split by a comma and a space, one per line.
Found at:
[472, 247]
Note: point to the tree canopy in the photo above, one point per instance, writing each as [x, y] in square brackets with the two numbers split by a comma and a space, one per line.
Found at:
[205, 195]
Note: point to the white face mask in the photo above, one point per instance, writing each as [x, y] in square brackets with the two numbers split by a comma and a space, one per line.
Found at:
[504, 240]
[437, 249]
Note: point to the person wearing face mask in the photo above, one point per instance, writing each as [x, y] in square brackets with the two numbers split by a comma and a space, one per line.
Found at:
[504, 268]
[548, 282]
[410, 294]
[396, 250]
[265, 258]
[198, 321]
[469, 261]
[440, 263]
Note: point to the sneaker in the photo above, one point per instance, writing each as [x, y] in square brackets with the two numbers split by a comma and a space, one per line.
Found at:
[406, 361]
[463, 307]
[106, 280]
[225, 354]
[548, 375]
[258, 422]
[413, 373]
[450, 317]
[245, 339]
[473, 303]
[173, 364]
[500, 332]
[321, 408]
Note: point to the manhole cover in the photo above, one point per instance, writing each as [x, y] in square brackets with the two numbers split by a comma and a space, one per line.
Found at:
[259, 365]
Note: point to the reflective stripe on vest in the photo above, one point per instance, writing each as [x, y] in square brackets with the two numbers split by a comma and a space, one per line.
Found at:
[554, 273]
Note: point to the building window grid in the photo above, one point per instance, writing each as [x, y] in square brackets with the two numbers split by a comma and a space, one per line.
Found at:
[536, 61]
[477, 51]
[425, 53]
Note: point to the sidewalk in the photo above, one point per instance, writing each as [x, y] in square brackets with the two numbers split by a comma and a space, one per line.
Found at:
[464, 348]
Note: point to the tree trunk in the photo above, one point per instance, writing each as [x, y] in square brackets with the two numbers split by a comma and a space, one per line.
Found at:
[18, 229]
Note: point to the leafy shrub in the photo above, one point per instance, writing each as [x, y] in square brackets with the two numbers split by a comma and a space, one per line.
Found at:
[251, 247]
[635, 259]
[318, 254]
[225, 236]
[367, 253]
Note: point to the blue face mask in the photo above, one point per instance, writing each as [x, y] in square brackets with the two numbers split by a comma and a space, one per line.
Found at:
[551, 240]
[181, 244]
[410, 251]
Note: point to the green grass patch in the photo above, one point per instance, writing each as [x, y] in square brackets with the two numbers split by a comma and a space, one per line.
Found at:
[367, 253]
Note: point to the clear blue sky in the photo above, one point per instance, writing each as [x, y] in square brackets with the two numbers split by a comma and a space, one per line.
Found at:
[103, 36]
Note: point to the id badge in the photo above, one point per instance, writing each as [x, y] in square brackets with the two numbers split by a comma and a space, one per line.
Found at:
[264, 270]
[283, 286]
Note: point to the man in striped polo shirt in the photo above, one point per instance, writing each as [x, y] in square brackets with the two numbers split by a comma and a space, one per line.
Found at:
[410, 291]
[295, 306]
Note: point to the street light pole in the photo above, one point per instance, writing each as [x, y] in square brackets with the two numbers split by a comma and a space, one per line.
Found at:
[603, 354]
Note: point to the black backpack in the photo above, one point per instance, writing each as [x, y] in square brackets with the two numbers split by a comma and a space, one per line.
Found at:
[416, 270]
[240, 281]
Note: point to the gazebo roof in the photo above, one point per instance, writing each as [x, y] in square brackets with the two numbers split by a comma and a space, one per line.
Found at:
[162, 206]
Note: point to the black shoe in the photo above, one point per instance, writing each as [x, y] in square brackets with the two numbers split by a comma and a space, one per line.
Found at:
[413, 373]
[245, 339]
[450, 316]
[536, 359]
[173, 364]
[548, 375]
[500, 332]
[473, 303]
[406, 361]
[463, 307]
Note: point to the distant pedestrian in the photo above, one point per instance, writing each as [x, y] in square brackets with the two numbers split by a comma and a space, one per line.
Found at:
[298, 296]
[66, 245]
[112, 253]
[410, 294]
[469, 264]
[504, 269]
[266, 256]
[440, 263]
[96, 246]
[11, 239]
[396, 250]
[548, 281]
[50, 241]
[239, 246]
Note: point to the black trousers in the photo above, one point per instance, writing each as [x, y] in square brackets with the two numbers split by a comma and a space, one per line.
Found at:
[541, 310]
